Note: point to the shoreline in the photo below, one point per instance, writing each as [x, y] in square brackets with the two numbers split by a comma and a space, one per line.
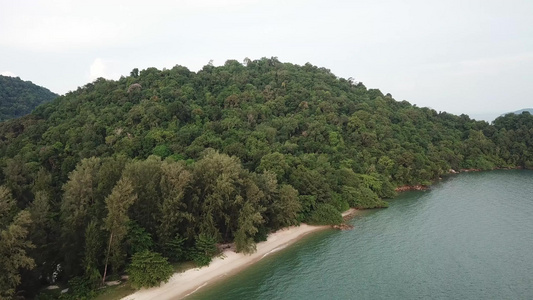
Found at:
[183, 284]
[451, 172]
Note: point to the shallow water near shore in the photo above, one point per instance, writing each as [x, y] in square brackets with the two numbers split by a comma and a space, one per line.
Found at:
[468, 237]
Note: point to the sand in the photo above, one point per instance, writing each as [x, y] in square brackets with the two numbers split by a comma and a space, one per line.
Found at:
[183, 284]
[180, 285]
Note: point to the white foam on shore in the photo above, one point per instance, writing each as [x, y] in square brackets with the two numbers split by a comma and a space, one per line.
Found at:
[275, 250]
[205, 283]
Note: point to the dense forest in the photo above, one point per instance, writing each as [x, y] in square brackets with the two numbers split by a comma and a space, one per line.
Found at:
[160, 166]
[19, 98]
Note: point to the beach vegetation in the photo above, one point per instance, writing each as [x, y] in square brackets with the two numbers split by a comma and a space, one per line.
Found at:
[176, 162]
[149, 269]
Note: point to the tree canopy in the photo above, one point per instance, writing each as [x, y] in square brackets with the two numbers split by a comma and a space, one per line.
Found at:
[19, 98]
[164, 164]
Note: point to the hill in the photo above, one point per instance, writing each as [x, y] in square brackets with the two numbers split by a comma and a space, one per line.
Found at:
[175, 161]
[19, 98]
[529, 110]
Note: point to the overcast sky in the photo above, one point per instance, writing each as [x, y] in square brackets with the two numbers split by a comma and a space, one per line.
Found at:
[459, 56]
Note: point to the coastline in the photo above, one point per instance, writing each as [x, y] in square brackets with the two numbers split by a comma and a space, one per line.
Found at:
[425, 187]
[181, 285]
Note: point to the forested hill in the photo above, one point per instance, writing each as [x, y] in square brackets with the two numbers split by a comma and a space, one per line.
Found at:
[18, 97]
[529, 110]
[171, 162]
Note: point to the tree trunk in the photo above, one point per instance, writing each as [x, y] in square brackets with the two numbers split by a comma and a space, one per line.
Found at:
[107, 258]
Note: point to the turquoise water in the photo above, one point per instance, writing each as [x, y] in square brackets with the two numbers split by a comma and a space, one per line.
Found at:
[469, 237]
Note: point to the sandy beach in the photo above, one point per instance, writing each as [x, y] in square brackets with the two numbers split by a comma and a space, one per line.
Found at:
[180, 285]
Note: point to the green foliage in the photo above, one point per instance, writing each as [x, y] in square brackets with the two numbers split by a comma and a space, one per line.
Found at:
[148, 269]
[161, 151]
[93, 253]
[175, 180]
[204, 249]
[325, 214]
[80, 205]
[116, 221]
[80, 288]
[13, 246]
[174, 249]
[145, 177]
[137, 239]
[8, 208]
[18, 97]
[339, 202]
[287, 208]
[362, 197]
[249, 219]
[225, 154]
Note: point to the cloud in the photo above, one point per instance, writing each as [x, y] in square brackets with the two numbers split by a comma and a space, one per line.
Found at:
[103, 68]
[57, 26]
[98, 69]
[61, 26]
[8, 73]
[481, 65]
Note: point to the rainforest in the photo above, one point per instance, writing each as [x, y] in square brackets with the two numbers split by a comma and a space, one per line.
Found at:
[161, 166]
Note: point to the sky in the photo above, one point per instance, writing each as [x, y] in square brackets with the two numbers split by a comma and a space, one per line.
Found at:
[459, 56]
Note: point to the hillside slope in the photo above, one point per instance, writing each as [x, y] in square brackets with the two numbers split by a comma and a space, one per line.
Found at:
[174, 161]
[19, 98]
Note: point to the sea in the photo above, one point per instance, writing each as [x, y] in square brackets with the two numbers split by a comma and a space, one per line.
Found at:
[470, 236]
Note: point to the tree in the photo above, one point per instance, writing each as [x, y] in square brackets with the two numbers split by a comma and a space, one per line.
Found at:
[218, 179]
[175, 179]
[145, 177]
[138, 239]
[174, 249]
[8, 208]
[18, 97]
[274, 162]
[204, 249]
[148, 269]
[93, 252]
[325, 214]
[287, 207]
[134, 73]
[78, 207]
[249, 219]
[116, 222]
[43, 234]
[288, 143]
[14, 245]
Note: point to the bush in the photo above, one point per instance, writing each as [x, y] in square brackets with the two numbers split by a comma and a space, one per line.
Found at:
[148, 269]
[175, 249]
[204, 249]
[362, 198]
[261, 235]
[339, 202]
[325, 214]
[80, 288]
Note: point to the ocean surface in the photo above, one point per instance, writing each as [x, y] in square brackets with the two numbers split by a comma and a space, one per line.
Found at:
[468, 237]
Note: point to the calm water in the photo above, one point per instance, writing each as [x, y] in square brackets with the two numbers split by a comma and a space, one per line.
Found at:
[469, 237]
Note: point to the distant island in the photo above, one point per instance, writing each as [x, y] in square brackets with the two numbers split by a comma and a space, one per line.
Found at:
[163, 167]
[529, 110]
[19, 98]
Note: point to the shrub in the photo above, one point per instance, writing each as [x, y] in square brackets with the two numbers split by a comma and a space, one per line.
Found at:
[148, 269]
[205, 248]
[325, 214]
[362, 198]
